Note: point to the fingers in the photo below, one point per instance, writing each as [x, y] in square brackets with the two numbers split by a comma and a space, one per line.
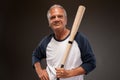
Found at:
[60, 72]
[43, 75]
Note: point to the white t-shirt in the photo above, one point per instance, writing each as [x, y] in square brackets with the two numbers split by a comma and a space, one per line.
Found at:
[55, 51]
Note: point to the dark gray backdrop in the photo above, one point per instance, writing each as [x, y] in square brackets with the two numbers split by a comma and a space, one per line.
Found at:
[23, 24]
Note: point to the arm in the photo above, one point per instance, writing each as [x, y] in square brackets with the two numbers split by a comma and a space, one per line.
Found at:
[62, 73]
[87, 56]
[77, 71]
[42, 73]
[38, 54]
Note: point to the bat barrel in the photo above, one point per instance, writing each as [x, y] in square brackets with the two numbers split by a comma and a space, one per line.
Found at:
[77, 21]
[74, 30]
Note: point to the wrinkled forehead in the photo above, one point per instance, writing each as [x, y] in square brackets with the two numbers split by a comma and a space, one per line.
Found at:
[56, 10]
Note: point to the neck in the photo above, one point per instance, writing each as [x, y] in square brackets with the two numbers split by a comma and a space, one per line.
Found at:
[62, 34]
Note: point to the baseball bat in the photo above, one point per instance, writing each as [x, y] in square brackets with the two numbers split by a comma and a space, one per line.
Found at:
[75, 26]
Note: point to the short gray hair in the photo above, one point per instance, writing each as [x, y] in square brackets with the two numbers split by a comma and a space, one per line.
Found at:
[56, 5]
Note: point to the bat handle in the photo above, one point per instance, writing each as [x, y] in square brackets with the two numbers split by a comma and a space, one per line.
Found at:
[62, 66]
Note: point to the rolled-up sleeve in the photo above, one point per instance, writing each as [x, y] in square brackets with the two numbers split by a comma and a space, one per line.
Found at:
[87, 55]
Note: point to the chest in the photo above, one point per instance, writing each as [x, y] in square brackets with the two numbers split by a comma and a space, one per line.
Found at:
[56, 49]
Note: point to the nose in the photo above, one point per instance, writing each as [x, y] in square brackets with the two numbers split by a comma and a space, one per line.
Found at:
[56, 18]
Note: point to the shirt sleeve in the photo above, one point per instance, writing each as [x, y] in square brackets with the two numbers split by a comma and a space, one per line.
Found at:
[38, 53]
[87, 55]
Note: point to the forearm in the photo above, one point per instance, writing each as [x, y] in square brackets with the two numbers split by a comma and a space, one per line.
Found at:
[62, 73]
[42, 73]
[38, 68]
[76, 72]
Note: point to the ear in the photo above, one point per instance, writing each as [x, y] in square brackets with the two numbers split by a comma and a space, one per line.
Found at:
[66, 21]
[49, 23]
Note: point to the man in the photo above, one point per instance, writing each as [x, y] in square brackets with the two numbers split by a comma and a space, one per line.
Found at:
[81, 59]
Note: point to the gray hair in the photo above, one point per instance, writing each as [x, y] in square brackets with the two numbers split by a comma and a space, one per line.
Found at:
[55, 5]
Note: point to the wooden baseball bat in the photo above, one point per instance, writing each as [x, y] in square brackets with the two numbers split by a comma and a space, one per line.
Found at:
[76, 24]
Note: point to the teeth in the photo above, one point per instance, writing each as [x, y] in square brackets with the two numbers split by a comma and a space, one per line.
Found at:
[57, 23]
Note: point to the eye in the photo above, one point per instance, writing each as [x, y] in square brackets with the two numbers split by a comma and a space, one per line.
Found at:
[52, 17]
[60, 16]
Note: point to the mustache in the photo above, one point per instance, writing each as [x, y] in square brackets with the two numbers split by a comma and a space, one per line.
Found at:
[56, 22]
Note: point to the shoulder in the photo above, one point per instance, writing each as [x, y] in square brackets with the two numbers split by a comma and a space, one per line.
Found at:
[82, 40]
[46, 39]
[80, 36]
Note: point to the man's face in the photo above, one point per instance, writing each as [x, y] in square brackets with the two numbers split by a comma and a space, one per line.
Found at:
[57, 19]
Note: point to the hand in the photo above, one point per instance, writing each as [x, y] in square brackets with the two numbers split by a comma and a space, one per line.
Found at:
[43, 75]
[62, 73]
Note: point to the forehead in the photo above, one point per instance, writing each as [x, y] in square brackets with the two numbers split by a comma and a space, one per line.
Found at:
[56, 10]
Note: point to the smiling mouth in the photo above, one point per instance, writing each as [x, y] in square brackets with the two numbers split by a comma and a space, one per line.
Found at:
[56, 23]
